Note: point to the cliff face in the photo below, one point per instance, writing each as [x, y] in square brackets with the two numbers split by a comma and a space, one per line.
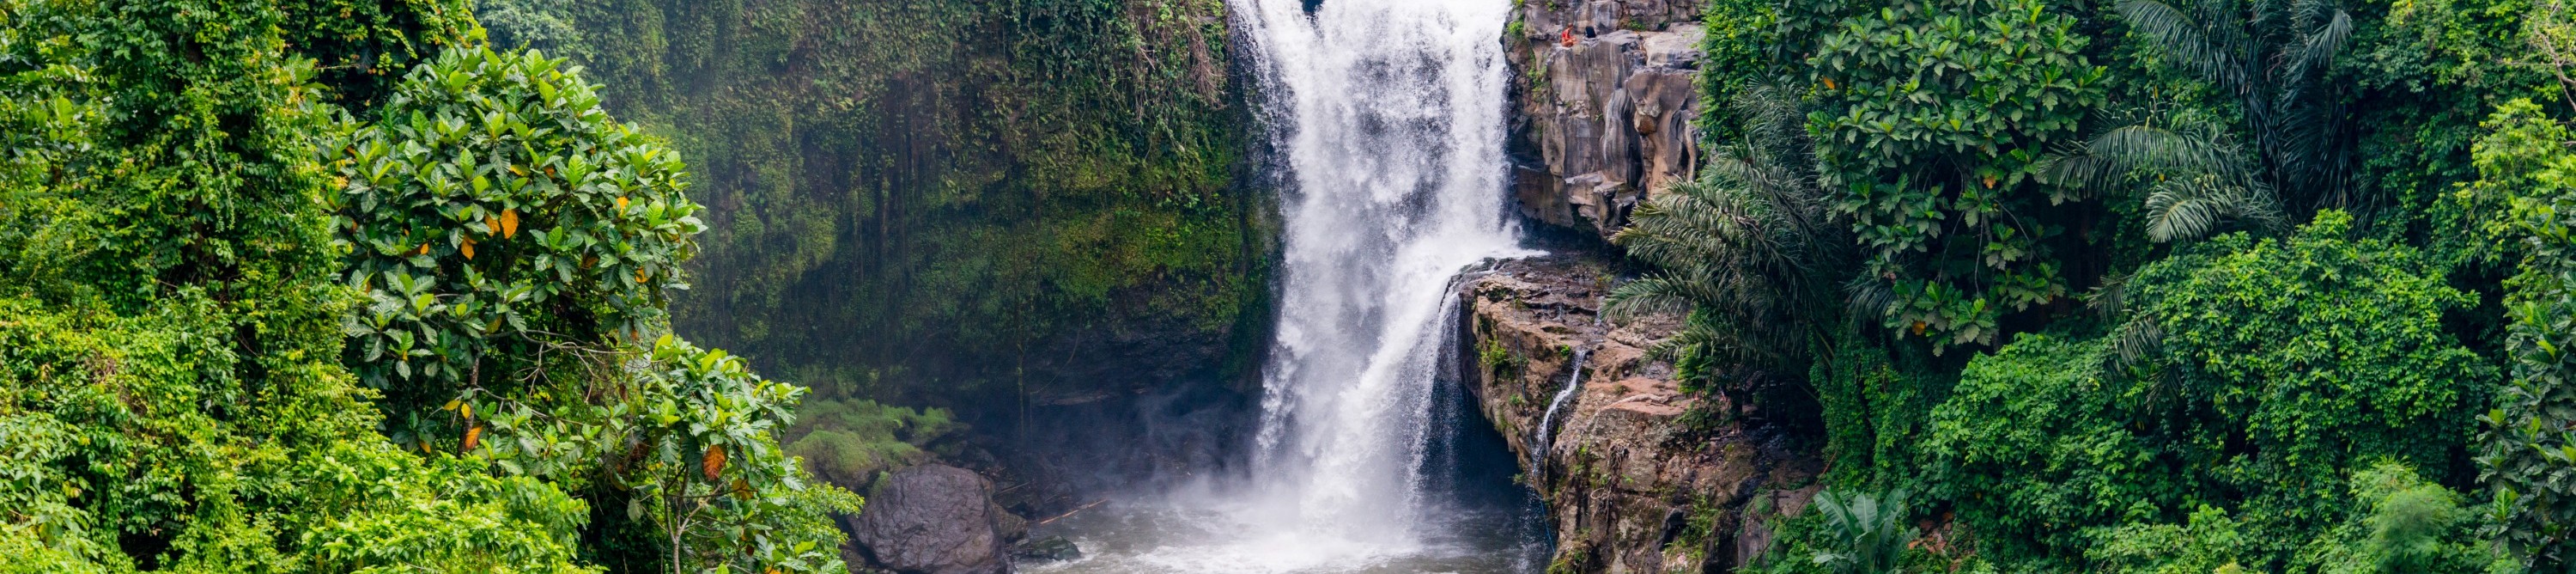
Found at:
[1632, 483]
[1033, 213]
[1607, 98]
[955, 203]
[1634, 479]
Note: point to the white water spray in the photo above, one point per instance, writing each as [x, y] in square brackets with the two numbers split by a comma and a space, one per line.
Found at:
[1389, 114]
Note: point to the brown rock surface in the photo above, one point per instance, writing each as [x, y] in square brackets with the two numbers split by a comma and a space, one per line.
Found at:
[1629, 487]
[1609, 114]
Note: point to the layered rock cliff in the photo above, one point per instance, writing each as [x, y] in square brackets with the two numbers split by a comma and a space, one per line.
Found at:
[1607, 98]
[1637, 477]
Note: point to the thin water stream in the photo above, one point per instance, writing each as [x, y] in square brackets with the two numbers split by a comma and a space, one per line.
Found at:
[1547, 422]
[1388, 119]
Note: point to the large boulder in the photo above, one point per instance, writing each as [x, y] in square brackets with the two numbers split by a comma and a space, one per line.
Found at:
[933, 519]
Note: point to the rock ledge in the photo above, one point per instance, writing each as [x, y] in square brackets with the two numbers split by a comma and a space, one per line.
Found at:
[1630, 487]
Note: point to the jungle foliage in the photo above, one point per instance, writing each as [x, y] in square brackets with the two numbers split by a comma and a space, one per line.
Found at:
[336, 287]
[2144, 285]
[967, 204]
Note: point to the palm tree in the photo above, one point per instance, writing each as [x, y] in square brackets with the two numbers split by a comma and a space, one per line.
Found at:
[1746, 249]
[2200, 177]
[2274, 56]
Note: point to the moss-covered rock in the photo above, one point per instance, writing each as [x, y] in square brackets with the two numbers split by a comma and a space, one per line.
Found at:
[947, 202]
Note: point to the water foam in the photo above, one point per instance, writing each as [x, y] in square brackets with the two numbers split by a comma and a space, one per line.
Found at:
[1389, 114]
[1388, 118]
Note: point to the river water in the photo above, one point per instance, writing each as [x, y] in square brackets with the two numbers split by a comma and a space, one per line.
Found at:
[1387, 116]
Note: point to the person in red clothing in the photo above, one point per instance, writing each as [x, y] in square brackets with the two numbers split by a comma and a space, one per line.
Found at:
[1567, 39]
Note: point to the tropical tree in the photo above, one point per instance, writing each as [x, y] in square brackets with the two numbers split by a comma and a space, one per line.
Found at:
[2275, 57]
[496, 214]
[515, 244]
[170, 391]
[1747, 250]
[2197, 176]
[1931, 119]
[2529, 455]
[2280, 366]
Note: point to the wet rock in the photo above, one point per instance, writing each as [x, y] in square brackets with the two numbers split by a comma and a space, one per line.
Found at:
[1630, 485]
[1608, 92]
[1049, 549]
[933, 519]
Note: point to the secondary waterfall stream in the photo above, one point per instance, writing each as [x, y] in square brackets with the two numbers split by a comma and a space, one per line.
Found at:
[1547, 423]
[1387, 116]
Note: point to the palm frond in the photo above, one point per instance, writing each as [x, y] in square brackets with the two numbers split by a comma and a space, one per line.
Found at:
[2186, 40]
[2317, 52]
[1867, 297]
[2110, 158]
[1743, 248]
[1658, 295]
[1686, 229]
[2188, 208]
[2137, 340]
[2111, 298]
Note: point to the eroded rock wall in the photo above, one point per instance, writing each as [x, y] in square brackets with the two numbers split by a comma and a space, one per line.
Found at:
[1607, 98]
[1632, 485]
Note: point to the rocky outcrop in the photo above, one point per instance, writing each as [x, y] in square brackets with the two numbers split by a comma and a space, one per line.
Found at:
[1607, 99]
[935, 519]
[1635, 482]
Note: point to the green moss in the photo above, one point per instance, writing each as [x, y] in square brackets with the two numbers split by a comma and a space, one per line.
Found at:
[1499, 362]
[947, 189]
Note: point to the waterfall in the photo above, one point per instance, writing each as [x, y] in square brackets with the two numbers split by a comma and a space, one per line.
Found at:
[1388, 118]
[1544, 442]
[1385, 119]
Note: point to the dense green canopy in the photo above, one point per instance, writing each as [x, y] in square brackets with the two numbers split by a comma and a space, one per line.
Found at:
[249, 328]
[2240, 285]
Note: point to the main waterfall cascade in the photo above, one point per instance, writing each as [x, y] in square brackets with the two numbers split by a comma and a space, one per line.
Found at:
[1388, 120]
[1391, 117]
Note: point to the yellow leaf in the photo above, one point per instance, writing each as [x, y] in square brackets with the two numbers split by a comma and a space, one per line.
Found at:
[509, 223]
[451, 405]
[468, 410]
[473, 436]
[621, 203]
[468, 248]
[424, 249]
